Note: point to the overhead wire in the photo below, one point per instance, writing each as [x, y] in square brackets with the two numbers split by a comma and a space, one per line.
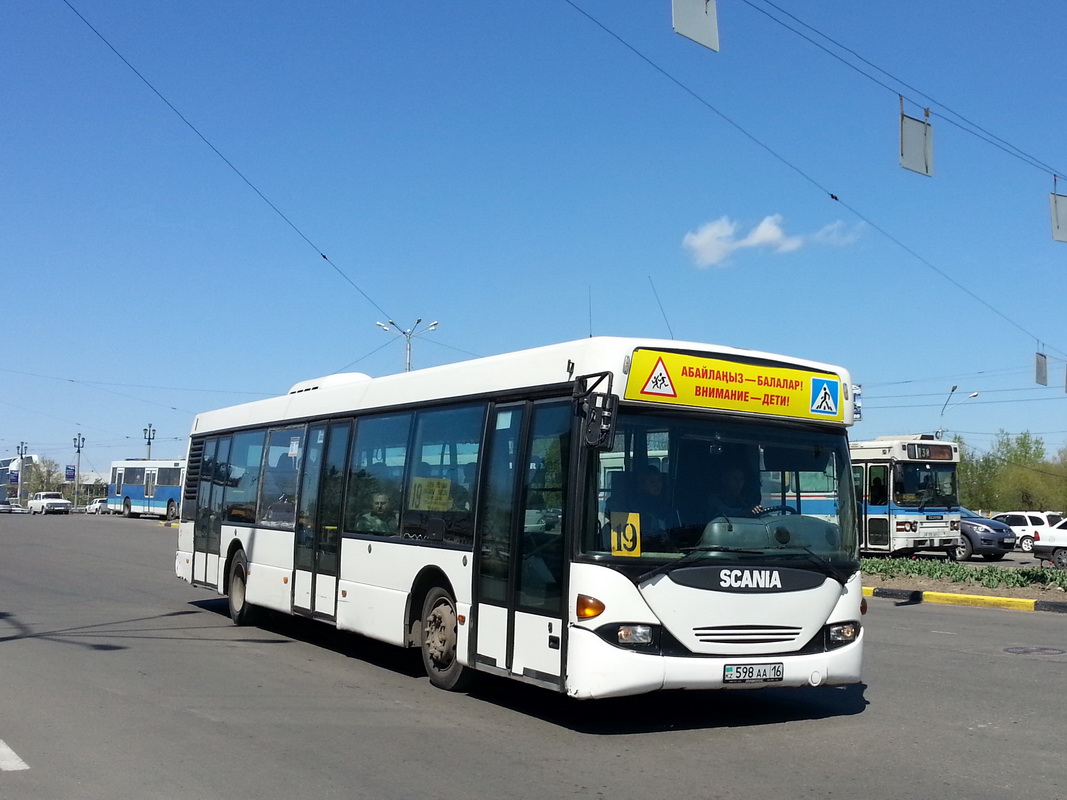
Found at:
[799, 171]
[964, 123]
[225, 160]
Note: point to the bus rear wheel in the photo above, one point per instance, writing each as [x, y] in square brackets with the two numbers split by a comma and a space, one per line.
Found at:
[172, 509]
[440, 636]
[241, 611]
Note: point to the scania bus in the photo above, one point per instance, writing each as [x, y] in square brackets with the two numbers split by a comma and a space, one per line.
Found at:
[463, 510]
[146, 486]
[909, 497]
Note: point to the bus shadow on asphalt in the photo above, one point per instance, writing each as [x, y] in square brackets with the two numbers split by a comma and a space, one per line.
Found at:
[649, 713]
[407, 662]
[673, 710]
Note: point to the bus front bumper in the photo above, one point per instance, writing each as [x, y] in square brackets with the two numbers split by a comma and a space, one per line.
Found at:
[597, 669]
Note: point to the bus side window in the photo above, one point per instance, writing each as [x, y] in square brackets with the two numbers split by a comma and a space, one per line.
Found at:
[438, 504]
[379, 454]
[277, 490]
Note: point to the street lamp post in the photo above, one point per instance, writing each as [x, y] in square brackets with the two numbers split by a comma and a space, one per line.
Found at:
[946, 407]
[79, 442]
[408, 334]
[149, 435]
[22, 449]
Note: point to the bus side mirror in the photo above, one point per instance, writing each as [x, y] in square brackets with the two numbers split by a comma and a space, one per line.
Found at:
[600, 412]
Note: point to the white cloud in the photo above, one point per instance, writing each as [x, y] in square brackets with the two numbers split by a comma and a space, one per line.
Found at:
[714, 242]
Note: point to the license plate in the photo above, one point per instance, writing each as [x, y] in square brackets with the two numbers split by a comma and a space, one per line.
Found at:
[752, 673]
[1009, 540]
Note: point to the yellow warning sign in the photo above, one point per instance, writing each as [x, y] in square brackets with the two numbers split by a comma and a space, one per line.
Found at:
[689, 379]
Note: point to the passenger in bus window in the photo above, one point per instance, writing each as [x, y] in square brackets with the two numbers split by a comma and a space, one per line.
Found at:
[649, 498]
[731, 495]
[380, 519]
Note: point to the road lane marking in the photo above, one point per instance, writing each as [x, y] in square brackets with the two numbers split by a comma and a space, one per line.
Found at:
[9, 759]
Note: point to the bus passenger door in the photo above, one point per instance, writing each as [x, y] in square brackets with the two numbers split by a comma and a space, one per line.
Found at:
[318, 521]
[149, 490]
[876, 509]
[520, 548]
[207, 526]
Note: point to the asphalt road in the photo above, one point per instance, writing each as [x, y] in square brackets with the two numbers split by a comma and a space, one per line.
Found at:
[118, 680]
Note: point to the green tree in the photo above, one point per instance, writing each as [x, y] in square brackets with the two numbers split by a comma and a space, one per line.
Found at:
[44, 476]
[978, 473]
[1024, 480]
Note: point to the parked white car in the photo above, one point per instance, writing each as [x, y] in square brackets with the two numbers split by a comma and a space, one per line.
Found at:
[49, 503]
[97, 506]
[1027, 523]
[1051, 545]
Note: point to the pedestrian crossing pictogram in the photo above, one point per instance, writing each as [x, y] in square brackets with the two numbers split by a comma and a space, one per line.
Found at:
[825, 396]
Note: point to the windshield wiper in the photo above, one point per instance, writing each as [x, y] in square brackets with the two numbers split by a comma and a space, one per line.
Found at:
[692, 554]
[839, 572]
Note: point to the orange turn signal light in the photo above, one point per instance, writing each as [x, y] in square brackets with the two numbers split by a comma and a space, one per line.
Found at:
[589, 607]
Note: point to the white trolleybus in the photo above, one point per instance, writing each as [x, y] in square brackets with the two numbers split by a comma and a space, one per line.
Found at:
[463, 510]
[909, 500]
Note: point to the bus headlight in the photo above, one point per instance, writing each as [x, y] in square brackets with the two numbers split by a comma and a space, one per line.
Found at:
[635, 634]
[842, 633]
[639, 636]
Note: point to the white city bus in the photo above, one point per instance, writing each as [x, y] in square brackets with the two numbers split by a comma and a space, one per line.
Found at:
[460, 510]
[908, 493]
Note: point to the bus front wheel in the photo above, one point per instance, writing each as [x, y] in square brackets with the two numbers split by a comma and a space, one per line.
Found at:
[440, 635]
[241, 611]
[172, 509]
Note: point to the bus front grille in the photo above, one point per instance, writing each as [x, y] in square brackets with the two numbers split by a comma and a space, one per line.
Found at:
[746, 634]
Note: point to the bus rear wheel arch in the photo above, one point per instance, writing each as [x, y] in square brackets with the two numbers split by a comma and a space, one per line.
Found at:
[439, 640]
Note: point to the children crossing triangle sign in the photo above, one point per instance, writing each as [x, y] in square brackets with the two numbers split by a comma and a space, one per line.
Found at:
[659, 382]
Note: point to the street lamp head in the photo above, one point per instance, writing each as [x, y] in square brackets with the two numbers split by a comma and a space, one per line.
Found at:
[382, 325]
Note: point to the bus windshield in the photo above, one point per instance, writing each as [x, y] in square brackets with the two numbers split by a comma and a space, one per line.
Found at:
[925, 485]
[677, 485]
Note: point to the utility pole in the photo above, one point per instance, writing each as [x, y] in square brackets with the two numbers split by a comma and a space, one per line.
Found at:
[21, 450]
[79, 442]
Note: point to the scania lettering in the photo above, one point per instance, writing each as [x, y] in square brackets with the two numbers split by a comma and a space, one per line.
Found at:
[746, 577]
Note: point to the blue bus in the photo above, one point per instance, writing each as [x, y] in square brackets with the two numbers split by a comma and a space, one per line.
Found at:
[146, 486]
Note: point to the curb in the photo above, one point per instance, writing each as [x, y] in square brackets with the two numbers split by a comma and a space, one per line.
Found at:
[974, 600]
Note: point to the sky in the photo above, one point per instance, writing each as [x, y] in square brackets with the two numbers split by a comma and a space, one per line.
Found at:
[204, 203]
